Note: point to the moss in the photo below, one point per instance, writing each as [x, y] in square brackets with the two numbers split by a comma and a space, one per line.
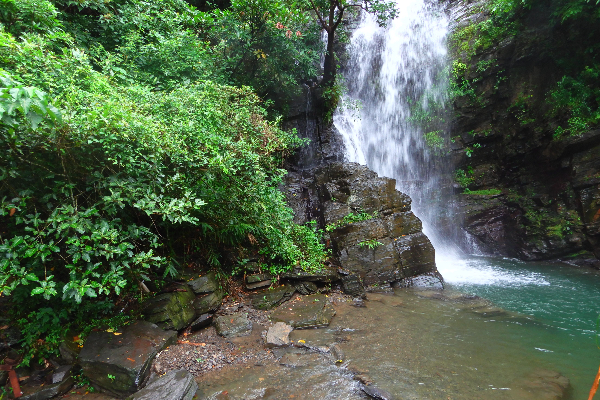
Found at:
[483, 192]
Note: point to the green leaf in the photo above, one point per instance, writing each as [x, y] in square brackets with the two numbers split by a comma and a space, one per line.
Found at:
[31, 277]
[37, 290]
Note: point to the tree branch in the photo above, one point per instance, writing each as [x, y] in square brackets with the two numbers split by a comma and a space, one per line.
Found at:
[340, 16]
[323, 24]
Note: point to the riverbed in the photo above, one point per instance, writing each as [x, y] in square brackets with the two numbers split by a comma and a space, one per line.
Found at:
[500, 329]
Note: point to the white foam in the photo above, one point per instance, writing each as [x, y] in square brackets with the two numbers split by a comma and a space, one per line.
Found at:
[480, 271]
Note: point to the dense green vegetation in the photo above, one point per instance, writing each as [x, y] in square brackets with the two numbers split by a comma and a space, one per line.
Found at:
[142, 139]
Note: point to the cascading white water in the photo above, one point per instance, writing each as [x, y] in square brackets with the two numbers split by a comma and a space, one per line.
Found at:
[394, 74]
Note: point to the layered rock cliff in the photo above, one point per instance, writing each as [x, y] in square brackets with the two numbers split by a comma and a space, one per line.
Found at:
[521, 189]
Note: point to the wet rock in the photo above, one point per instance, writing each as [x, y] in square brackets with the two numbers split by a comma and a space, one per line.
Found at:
[337, 353]
[208, 303]
[358, 302]
[325, 274]
[376, 393]
[382, 249]
[9, 336]
[205, 284]
[426, 281]
[544, 385]
[380, 288]
[119, 362]
[202, 322]
[352, 285]
[171, 310]
[69, 351]
[306, 288]
[60, 382]
[174, 385]
[272, 297]
[363, 378]
[279, 334]
[294, 360]
[258, 285]
[257, 281]
[490, 312]
[308, 312]
[233, 325]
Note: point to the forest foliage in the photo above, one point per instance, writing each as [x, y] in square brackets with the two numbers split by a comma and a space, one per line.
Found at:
[141, 139]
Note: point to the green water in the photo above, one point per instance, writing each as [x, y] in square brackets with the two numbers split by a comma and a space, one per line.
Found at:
[564, 301]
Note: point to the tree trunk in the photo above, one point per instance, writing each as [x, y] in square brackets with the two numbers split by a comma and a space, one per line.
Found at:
[329, 66]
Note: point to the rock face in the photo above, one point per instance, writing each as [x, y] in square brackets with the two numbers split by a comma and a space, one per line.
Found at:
[174, 385]
[372, 230]
[536, 194]
[119, 362]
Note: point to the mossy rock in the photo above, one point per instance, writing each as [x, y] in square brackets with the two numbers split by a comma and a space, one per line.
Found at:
[171, 310]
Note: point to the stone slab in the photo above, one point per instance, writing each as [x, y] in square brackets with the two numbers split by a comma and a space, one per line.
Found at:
[119, 362]
[306, 312]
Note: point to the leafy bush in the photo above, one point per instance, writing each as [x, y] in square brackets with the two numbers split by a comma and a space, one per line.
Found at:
[23, 16]
[577, 100]
[127, 184]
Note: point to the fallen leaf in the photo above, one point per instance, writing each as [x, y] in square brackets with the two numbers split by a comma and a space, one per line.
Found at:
[118, 333]
[12, 211]
[110, 330]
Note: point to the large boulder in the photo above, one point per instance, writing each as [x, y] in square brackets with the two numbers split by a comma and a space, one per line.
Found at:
[171, 310]
[386, 244]
[119, 362]
[174, 385]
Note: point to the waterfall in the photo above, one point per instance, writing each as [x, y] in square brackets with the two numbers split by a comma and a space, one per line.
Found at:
[395, 74]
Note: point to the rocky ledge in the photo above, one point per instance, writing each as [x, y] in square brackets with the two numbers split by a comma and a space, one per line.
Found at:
[371, 229]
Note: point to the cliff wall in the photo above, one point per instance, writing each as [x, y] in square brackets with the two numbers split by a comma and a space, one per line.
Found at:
[522, 189]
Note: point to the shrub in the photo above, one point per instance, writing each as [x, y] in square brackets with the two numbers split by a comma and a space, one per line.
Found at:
[126, 183]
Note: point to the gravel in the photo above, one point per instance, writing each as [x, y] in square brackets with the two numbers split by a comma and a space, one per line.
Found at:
[205, 350]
